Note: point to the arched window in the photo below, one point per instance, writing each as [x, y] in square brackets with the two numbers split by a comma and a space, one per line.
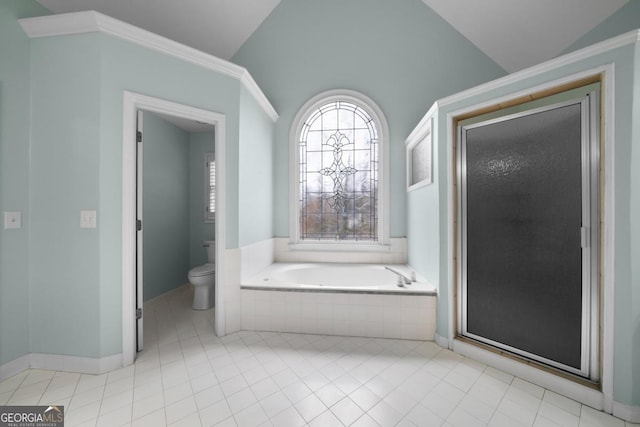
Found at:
[339, 180]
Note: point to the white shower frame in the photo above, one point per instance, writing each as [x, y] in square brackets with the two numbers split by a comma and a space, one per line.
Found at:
[590, 168]
[132, 102]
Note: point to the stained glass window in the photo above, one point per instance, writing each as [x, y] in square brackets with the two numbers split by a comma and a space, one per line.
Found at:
[338, 174]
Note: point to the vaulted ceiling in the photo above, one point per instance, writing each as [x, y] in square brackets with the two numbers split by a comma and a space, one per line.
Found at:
[517, 34]
[514, 33]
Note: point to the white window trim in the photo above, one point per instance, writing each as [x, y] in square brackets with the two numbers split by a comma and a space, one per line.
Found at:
[425, 136]
[376, 113]
[209, 216]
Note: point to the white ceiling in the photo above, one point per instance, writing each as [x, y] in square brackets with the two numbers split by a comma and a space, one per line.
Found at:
[218, 27]
[514, 33]
[520, 33]
[187, 125]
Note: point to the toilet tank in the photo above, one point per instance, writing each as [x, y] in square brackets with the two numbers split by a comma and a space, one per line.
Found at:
[210, 245]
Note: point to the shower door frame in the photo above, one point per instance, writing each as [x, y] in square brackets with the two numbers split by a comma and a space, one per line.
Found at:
[590, 236]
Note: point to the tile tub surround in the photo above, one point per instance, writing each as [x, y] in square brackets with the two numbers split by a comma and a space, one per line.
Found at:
[395, 253]
[186, 376]
[363, 315]
[345, 314]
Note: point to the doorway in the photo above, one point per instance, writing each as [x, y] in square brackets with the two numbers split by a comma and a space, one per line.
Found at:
[528, 234]
[173, 200]
[132, 297]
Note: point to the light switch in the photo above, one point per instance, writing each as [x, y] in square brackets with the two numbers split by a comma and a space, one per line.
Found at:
[12, 220]
[87, 219]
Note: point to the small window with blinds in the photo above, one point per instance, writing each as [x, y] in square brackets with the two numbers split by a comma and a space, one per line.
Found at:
[209, 187]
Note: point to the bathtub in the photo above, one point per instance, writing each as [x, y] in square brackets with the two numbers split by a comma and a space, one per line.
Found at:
[339, 299]
[341, 278]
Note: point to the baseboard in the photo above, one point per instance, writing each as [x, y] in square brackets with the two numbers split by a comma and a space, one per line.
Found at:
[58, 362]
[85, 365]
[14, 367]
[628, 413]
[442, 341]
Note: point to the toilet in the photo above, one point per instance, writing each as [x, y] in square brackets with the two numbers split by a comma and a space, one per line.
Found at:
[203, 279]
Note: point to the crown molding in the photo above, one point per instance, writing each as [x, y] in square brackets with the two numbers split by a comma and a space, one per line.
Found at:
[92, 21]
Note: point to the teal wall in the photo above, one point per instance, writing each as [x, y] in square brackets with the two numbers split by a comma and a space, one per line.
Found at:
[15, 87]
[627, 18]
[634, 215]
[61, 152]
[400, 53]
[65, 141]
[77, 146]
[423, 211]
[627, 312]
[255, 202]
[125, 66]
[627, 208]
[199, 230]
[165, 211]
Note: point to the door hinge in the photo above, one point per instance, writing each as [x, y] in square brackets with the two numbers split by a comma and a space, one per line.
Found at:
[138, 136]
[139, 224]
[138, 313]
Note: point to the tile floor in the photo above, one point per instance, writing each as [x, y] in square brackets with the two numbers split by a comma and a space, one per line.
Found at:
[186, 376]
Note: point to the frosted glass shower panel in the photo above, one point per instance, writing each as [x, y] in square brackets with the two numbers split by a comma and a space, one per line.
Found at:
[521, 238]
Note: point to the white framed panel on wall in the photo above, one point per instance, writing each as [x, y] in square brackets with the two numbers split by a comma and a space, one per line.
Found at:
[420, 158]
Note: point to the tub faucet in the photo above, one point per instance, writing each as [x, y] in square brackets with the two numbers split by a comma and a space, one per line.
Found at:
[401, 277]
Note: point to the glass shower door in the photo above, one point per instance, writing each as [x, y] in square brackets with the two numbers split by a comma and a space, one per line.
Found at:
[526, 208]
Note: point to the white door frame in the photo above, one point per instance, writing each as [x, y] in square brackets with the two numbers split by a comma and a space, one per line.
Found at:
[139, 232]
[132, 102]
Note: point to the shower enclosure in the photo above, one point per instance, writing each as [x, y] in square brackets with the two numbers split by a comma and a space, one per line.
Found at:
[528, 234]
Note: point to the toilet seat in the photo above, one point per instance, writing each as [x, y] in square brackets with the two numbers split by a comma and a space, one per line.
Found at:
[202, 270]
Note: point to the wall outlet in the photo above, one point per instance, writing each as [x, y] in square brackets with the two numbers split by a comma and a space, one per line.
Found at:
[12, 220]
[88, 219]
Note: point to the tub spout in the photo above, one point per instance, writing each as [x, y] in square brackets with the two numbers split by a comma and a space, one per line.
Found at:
[401, 277]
